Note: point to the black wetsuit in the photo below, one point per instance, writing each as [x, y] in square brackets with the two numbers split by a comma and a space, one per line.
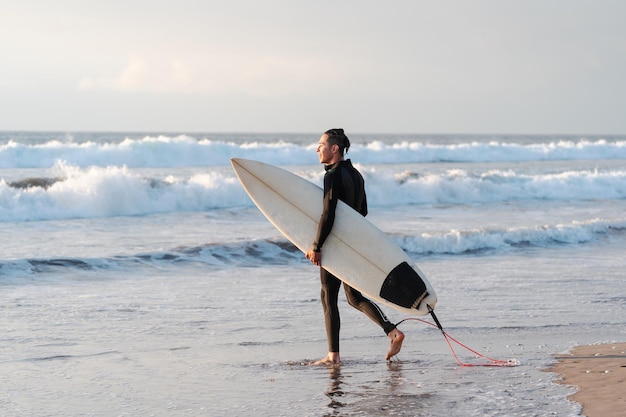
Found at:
[342, 182]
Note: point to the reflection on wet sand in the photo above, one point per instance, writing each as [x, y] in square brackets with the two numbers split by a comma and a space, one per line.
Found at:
[334, 391]
[391, 393]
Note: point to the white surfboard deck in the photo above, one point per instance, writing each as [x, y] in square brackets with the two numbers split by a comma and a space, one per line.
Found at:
[357, 252]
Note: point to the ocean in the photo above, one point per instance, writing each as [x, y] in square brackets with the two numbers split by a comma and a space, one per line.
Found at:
[137, 278]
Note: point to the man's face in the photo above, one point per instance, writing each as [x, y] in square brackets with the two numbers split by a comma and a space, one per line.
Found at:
[325, 151]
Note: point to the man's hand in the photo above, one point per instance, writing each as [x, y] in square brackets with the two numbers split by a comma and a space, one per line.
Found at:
[314, 257]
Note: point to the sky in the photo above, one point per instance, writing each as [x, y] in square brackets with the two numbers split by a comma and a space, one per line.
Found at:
[398, 66]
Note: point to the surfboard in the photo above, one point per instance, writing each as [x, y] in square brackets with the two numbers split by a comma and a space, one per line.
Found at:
[357, 252]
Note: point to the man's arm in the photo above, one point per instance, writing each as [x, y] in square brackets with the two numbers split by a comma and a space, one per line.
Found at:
[327, 218]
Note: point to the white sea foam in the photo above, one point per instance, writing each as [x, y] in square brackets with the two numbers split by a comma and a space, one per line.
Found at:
[480, 239]
[178, 151]
[118, 190]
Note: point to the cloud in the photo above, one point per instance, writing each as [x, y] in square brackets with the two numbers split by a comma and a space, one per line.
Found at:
[228, 72]
[142, 75]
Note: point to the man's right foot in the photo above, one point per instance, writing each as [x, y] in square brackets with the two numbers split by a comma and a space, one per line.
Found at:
[397, 337]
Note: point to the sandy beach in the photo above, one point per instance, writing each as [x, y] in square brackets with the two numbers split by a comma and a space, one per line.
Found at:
[597, 371]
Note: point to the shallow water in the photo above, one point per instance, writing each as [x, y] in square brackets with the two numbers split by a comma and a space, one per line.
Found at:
[236, 340]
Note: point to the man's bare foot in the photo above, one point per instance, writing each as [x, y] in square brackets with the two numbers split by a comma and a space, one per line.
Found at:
[397, 337]
[331, 359]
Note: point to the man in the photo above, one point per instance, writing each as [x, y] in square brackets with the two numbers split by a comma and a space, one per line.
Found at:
[342, 182]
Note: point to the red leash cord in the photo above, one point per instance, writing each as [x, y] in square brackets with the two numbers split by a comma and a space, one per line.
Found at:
[494, 362]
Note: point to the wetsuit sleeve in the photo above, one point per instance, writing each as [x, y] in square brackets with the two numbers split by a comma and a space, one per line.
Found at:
[327, 219]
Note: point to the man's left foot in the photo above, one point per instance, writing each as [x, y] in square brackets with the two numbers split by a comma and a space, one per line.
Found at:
[397, 337]
[331, 359]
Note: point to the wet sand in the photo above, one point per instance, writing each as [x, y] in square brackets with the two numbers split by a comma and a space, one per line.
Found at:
[599, 374]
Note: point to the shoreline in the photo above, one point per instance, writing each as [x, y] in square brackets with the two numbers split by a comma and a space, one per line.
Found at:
[598, 372]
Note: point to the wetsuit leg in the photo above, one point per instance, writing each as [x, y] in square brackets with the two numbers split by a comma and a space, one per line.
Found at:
[329, 295]
[371, 310]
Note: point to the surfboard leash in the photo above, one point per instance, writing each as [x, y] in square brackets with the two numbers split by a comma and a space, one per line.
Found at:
[450, 339]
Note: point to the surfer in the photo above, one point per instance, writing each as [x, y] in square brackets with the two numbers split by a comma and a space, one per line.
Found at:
[342, 182]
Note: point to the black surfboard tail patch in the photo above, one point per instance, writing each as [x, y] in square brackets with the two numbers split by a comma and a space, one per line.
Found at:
[404, 287]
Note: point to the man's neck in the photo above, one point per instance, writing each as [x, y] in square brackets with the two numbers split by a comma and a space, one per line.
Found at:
[335, 160]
